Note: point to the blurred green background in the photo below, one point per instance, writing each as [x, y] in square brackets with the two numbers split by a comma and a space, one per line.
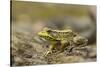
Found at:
[47, 10]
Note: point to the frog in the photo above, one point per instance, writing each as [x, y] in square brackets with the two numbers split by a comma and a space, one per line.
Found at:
[65, 39]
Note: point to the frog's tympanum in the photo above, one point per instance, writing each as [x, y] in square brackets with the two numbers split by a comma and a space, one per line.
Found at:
[66, 39]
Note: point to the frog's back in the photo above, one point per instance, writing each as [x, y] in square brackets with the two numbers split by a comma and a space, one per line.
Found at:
[61, 34]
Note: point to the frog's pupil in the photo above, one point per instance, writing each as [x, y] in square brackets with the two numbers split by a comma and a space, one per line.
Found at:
[48, 31]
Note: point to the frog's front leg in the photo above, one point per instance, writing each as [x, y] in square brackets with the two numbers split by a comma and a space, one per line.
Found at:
[51, 47]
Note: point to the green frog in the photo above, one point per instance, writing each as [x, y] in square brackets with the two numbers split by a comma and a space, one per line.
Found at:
[65, 39]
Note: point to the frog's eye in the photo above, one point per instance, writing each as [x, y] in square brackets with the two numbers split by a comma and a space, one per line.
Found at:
[49, 31]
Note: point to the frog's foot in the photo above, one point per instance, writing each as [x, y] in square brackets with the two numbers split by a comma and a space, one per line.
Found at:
[48, 52]
[69, 51]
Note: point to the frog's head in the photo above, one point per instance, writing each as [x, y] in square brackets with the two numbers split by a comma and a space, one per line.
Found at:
[44, 33]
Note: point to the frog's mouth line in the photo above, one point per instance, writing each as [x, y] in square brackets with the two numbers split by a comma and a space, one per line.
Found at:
[41, 37]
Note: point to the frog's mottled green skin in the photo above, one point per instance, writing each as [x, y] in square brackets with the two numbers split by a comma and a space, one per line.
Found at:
[65, 38]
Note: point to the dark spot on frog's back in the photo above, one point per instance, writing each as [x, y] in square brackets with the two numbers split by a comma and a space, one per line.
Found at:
[48, 38]
[64, 33]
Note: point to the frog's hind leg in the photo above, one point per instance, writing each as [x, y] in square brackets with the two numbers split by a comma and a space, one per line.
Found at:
[64, 44]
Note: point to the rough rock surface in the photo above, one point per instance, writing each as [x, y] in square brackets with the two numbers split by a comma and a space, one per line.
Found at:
[26, 50]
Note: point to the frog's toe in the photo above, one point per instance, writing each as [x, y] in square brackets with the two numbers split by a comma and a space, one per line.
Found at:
[48, 52]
